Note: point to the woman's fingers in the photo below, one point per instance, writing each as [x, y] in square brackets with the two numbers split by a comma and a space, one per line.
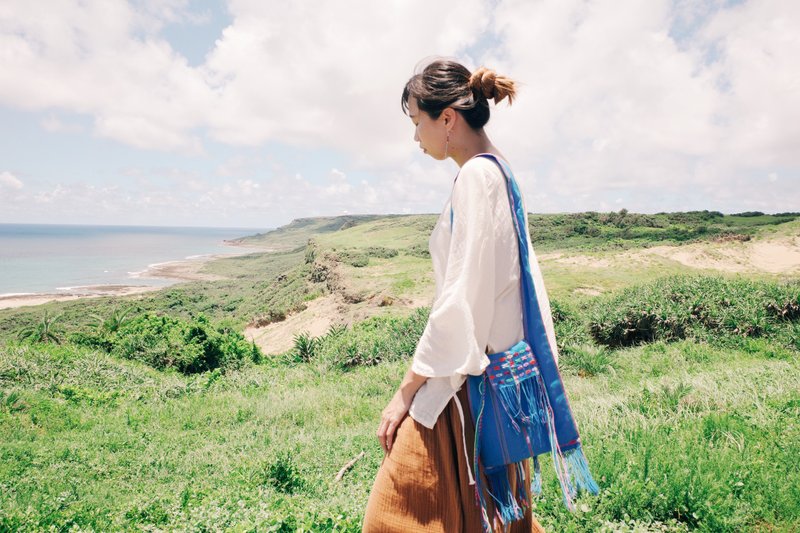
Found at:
[390, 435]
[386, 432]
[391, 417]
[381, 434]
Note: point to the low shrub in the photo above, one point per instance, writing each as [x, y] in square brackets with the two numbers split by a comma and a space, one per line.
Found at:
[162, 341]
[681, 306]
[380, 252]
[284, 475]
[418, 250]
[359, 257]
[270, 317]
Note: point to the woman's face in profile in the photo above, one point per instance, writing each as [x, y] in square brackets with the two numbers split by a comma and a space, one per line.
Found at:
[429, 133]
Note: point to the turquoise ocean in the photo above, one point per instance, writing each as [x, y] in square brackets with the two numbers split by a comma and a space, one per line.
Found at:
[37, 258]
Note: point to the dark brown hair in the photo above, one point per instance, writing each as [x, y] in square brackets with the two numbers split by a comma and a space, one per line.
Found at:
[445, 83]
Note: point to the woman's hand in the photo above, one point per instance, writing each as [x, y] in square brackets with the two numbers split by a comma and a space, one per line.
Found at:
[397, 409]
[392, 415]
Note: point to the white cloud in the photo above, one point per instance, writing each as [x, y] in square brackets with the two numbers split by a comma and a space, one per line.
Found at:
[602, 87]
[330, 74]
[165, 195]
[10, 181]
[759, 69]
[323, 74]
[610, 99]
[337, 175]
[102, 58]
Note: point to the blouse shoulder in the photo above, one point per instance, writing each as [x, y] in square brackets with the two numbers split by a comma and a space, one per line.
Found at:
[479, 173]
[481, 164]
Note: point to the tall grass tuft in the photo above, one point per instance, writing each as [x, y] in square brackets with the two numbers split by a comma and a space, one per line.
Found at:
[283, 474]
[587, 360]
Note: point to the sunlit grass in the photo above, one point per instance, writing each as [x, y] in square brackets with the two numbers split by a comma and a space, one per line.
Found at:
[684, 434]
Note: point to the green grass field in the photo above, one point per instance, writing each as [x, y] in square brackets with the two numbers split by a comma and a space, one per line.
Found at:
[691, 423]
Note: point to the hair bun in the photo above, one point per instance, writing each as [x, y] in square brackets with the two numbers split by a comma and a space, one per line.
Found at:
[487, 84]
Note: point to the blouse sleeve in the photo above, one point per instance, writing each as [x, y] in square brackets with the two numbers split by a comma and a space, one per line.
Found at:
[455, 338]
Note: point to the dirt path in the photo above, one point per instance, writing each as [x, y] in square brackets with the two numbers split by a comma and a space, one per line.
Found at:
[319, 315]
[316, 318]
[778, 255]
[773, 256]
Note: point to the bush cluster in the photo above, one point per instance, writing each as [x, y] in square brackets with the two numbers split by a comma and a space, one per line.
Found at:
[359, 257]
[677, 307]
[418, 250]
[161, 341]
[625, 229]
[356, 258]
[381, 252]
[283, 474]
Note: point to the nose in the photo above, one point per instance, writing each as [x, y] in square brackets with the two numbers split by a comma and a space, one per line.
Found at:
[416, 137]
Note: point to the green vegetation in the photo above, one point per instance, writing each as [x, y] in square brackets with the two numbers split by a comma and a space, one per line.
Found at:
[46, 330]
[159, 415]
[370, 342]
[297, 232]
[698, 307]
[164, 342]
[622, 230]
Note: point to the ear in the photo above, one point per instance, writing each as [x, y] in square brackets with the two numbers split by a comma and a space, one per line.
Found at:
[449, 117]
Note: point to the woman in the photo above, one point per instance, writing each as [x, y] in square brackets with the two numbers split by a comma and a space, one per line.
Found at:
[425, 482]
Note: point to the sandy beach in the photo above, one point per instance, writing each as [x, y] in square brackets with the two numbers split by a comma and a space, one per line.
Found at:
[90, 291]
[177, 271]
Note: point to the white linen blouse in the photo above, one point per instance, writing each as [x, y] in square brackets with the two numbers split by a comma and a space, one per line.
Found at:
[477, 308]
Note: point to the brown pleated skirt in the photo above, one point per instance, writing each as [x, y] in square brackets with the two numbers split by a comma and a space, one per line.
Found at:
[423, 484]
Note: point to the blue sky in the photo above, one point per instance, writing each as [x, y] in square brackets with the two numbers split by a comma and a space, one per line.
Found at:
[250, 114]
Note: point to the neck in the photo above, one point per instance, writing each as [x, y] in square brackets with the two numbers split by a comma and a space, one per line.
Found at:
[472, 143]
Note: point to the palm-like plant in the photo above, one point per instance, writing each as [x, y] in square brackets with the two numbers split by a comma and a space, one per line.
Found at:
[304, 347]
[112, 323]
[45, 330]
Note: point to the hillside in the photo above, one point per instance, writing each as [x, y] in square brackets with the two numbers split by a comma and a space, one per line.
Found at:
[362, 281]
[298, 231]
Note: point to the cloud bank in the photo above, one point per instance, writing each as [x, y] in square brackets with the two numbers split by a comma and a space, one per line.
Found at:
[653, 106]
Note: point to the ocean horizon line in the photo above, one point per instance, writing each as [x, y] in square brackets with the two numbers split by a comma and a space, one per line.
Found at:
[154, 226]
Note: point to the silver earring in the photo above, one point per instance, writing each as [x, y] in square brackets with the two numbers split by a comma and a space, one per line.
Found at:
[446, 144]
